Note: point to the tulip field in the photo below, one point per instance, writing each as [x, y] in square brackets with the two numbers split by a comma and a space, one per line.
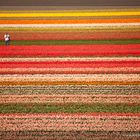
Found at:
[70, 74]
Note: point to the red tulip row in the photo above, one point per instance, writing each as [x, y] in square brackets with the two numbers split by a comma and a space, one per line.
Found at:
[113, 70]
[80, 64]
[71, 50]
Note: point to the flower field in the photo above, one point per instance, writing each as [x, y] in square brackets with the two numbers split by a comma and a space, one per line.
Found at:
[70, 74]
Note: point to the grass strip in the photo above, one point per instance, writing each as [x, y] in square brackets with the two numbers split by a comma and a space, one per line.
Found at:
[73, 42]
[69, 108]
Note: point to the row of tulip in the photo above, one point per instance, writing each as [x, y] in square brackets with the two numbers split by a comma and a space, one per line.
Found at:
[70, 89]
[76, 29]
[72, 122]
[82, 13]
[70, 25]
[71, 77]
[70, 21]
[66, 99]
[69, 83]
[69, 59]
[69, 135]
[72, 35]
[113, 70]
[74, 64]
[71, 50]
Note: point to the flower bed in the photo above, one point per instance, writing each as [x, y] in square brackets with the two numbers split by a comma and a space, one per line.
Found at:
[70, 21]
[70, 89]
[71, 35]
[70, 122]
[114, 70]
[67, 84]
[71, 50]
[66, 99]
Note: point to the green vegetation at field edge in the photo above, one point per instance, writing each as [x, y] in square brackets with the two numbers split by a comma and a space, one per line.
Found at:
[73, 42]
[69, 108]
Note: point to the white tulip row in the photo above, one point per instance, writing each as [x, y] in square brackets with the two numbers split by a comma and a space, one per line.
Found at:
[71, 25]
[71, 77]
[70, 59]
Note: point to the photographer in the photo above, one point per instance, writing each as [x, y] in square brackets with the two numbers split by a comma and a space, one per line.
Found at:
[7, 39]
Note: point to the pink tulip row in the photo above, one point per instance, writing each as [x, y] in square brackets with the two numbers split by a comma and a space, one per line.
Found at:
[63, 99]
[76, 122]
[101, 70]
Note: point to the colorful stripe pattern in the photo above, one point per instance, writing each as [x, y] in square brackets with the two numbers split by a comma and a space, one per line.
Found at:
[75, 72]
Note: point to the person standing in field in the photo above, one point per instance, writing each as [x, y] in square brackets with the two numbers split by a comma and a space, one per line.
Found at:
[7, 39]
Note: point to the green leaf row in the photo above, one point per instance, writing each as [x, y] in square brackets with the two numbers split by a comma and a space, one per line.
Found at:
[73, 42]
[69, 108]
